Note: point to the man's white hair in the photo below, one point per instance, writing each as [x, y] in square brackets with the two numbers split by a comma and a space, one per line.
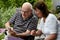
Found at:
[29, 4]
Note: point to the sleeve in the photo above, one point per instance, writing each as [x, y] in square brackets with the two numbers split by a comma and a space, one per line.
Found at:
[51, 24]
[33, 25]
[40, 24]
[12, 19]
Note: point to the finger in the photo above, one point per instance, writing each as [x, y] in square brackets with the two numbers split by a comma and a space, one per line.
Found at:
[32, 32]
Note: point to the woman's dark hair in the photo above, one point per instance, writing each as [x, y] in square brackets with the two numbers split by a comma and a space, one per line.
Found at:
[58, 18]
[42, 7]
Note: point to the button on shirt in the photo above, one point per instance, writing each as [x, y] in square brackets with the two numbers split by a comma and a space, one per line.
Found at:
[50, 25]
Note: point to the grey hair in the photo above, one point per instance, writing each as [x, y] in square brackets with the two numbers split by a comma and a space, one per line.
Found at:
[27, 3]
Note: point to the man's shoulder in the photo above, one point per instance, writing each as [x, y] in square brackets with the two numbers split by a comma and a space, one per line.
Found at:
[34, 18]
[18, 9]
[18, 12]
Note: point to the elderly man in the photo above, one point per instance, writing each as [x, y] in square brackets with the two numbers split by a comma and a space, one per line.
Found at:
[23, 21]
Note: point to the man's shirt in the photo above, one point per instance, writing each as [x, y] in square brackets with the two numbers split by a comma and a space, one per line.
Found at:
[20, 25]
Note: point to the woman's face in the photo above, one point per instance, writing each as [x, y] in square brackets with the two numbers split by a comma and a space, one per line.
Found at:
[38, 13]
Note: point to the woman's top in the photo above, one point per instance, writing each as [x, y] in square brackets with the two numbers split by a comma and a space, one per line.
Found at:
[49, 26]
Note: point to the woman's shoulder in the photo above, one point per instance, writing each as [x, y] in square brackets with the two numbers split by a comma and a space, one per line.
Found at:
[51, 16]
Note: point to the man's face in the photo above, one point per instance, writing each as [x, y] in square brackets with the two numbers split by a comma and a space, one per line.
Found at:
[26, 12]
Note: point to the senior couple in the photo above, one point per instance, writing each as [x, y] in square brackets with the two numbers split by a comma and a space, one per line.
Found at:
[26, 23]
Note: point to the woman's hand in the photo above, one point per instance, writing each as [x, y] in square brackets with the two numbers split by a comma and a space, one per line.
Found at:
[36, 33]
[33, 32]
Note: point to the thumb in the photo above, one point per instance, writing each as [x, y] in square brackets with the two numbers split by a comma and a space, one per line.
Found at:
[32, 32]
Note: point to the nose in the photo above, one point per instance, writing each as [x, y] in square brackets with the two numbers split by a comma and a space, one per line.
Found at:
[24, 13]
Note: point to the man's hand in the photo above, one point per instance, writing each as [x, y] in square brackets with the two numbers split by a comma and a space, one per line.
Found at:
[33, 32]
[12, 32]
[36, 33]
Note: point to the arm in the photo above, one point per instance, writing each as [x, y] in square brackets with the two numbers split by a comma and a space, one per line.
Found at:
[51, 37]
[39, 33]
[7, 25]
[39, 27]
[31, 26]
[52, 27]
[11, 21]
[36, 33]
[27, 33]
[22, 35]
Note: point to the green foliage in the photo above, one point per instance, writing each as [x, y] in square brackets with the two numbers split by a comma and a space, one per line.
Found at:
[49, 4]
[12, 3]
[8, 8]
[18, 3]
[1, 4]
[2, 36]
[5, 15]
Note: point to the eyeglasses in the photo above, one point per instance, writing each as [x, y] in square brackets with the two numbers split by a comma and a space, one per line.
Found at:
[24, 11]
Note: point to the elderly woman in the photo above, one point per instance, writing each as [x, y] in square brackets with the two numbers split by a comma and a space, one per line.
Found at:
[48, 22]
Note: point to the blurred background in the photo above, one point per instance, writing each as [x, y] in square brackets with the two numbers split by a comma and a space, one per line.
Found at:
[8, 8]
